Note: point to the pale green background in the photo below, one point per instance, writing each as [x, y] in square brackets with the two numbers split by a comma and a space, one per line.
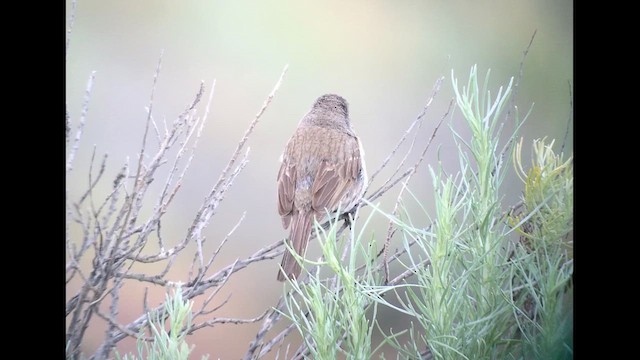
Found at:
[382, 56]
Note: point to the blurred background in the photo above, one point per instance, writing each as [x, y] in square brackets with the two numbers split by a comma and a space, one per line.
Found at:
[384, 57]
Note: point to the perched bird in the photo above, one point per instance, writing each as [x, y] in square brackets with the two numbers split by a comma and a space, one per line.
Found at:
[322, 170]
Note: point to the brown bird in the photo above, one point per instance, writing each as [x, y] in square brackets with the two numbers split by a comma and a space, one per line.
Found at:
[322, 170]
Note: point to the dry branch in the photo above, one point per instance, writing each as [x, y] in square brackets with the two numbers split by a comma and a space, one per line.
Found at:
[117, 235]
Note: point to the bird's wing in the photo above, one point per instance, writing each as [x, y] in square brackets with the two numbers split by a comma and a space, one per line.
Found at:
[286, 191]
[334, 180]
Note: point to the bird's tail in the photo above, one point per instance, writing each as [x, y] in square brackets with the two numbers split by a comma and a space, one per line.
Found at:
[301, 226]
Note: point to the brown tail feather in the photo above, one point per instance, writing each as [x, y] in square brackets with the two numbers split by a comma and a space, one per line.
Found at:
[301, 226]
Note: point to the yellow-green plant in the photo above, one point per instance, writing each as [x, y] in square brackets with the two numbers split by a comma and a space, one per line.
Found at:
[543, 294]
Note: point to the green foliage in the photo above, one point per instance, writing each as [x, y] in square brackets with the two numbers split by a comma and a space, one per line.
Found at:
[460, 303]
[166, 344]
[337, 321]
[490, 283]
[470, 302]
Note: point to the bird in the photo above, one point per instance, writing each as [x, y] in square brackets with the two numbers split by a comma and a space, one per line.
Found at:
[322, 170]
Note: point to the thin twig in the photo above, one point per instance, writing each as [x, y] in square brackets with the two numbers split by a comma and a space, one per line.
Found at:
[516, 88]
[113, 322]
[249, 130]
[409, 175]
[418, 121]
[516, 85]
[566, 133]
[137, 180]
[113, 312]
[227, 321]
[83, 116]
[72, 18]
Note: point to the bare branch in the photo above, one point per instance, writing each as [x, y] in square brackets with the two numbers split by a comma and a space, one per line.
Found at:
[83, 117]
[114, 323]
[243, 141]
[412, 171]
[257, 348]
[72, 19]
[116, 252]
[113, 245]
[516, 88]
[384, 188]
[227, 321]
[566, 133]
